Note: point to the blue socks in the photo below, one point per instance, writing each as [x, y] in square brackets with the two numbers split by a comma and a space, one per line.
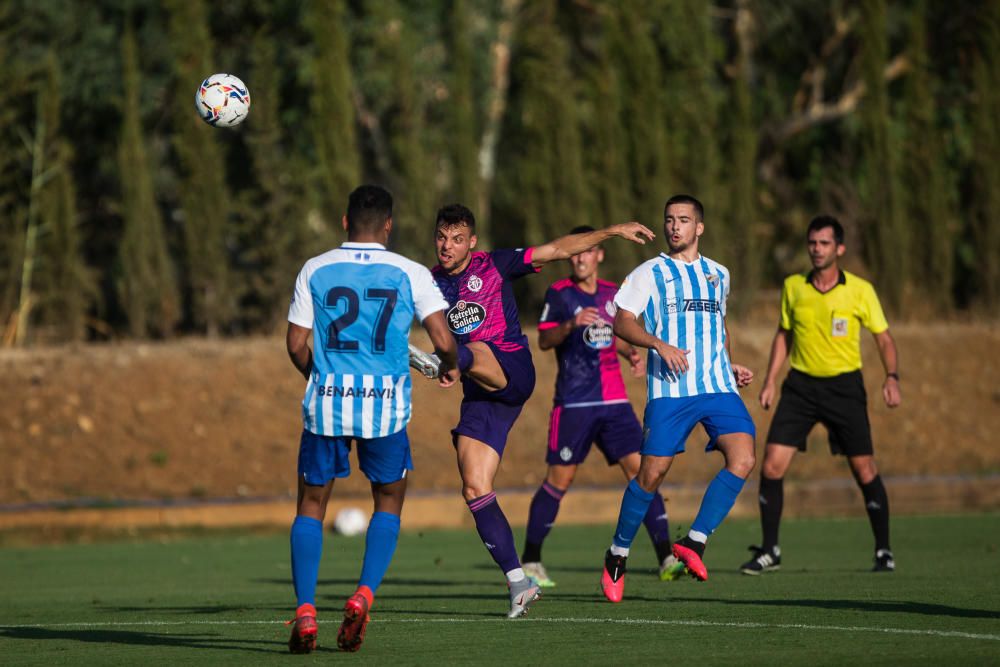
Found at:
[718, 500]
[380, 545]
[494, 531]
[307, 549]
[635, 504]
[656, 521]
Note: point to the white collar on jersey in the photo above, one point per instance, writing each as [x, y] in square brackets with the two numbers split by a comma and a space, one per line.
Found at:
[357, 245]
[679, 261]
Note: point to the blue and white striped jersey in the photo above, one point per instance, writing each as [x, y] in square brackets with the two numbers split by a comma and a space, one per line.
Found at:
[685, 306]
[360, 300]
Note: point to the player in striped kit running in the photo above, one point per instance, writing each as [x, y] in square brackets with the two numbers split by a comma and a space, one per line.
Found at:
[590, 405]
[357, 303]
[675, 305]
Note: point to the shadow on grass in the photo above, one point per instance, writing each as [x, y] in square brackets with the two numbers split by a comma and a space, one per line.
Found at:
[199, 610]
[136, 638]
[396, 581]
[872, 606]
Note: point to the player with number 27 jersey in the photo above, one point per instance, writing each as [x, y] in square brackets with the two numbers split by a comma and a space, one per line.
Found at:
[360, 300]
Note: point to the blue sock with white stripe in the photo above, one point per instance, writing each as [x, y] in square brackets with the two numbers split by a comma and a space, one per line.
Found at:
[635, 502]
[720, 496]
[307, 550]
[380, 545]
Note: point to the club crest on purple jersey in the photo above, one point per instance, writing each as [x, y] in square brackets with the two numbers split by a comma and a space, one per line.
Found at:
[466, 316]
[474, 284]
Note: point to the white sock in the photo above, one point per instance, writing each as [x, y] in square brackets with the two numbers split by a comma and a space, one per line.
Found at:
[619, 551]
[515, 575]
[698, 536]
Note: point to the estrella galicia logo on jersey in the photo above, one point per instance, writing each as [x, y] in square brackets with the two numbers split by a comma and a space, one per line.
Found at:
[701, 306]
[465, 317]
[598, 335]
[475, 283]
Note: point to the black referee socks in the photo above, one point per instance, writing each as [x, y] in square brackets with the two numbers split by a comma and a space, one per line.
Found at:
[877, 505]
[772, 499]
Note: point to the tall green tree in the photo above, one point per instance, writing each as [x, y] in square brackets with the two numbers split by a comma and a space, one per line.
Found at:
[331, 109]
[402, 112]
[12, 150]
[644, 110]
[277, 238]
[932, 217]
[147, 282]
[604, 136]
[463, 145]
[741, 225]
[205, 199]
[985, 170]
[888, 242]
[542, 182]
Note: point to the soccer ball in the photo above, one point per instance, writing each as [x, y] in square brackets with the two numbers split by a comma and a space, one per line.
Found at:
[350, 521]
[222, 100]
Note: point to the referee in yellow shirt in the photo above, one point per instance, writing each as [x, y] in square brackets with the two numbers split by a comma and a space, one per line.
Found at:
[822, 313]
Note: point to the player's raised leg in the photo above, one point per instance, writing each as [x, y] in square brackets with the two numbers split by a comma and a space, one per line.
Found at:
[719, 498]
[478, 464]
[635, 504]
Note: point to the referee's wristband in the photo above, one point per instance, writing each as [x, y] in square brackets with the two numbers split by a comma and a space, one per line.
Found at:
[893, 375]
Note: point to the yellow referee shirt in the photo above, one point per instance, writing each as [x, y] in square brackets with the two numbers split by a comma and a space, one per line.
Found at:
[826, 328]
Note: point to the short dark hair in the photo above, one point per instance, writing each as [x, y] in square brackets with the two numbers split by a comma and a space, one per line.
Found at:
[824, 221]
[455, 214]
[699, 210]
[368, 207]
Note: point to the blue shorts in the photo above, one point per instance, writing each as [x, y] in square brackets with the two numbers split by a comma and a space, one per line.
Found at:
[614, 428]
[382, 460]
[488, 416]
[668, 422]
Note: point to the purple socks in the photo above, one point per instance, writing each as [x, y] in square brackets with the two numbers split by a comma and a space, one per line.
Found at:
[494, 530]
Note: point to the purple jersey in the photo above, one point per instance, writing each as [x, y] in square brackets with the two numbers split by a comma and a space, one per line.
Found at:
[589, 373]
[481, 301]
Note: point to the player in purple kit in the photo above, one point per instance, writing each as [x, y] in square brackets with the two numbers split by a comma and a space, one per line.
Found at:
[590, 404]
[495, 362]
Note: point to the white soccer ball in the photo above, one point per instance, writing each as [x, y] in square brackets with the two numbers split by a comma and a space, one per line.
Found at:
[222, 100]
[350, 521]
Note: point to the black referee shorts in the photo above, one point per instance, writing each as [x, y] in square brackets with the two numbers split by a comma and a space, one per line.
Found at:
[839, 403]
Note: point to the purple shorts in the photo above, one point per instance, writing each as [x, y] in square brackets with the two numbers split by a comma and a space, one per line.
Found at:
[488, 416]
[614, 428]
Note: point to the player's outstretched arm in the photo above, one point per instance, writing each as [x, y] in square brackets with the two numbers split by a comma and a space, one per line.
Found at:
[628, 328]
[890, 361]
[565, 247]
[444, 347]
[779, 352]
[297, 344]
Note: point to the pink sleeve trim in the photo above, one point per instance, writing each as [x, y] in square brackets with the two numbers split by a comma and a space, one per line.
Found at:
[527, 258]
[542, 326]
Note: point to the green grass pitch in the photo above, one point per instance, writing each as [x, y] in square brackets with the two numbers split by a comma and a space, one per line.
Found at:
[221, 600]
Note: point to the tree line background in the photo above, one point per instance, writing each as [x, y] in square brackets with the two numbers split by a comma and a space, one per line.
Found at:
[123, 215]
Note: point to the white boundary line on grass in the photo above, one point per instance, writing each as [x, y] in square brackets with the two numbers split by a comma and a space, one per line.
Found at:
[614, 621]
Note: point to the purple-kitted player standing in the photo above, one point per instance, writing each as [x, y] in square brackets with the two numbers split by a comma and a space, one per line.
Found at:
[590, 405]
[495, 362]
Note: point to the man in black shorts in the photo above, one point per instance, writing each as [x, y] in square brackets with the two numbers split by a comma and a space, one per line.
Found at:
[822, 313]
